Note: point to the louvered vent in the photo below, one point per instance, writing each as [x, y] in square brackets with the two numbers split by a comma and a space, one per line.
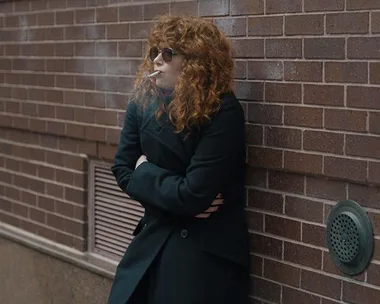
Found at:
[112, 214]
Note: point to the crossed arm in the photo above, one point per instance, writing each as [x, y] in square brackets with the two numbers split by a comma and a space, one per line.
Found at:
[205, 177]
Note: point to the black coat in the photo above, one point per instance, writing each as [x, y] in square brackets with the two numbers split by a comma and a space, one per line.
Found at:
[195, 260]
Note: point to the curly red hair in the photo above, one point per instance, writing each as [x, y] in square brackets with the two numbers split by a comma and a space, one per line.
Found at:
[207, 70]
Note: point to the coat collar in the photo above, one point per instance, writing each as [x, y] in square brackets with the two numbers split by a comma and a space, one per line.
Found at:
[164, 131]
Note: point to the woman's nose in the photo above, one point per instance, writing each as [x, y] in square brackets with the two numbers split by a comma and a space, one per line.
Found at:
[158, 60]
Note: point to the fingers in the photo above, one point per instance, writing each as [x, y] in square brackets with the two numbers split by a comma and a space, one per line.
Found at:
[213, 208]
[203, 215]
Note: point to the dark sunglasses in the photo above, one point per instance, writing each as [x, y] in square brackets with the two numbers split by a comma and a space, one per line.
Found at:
[167, 53]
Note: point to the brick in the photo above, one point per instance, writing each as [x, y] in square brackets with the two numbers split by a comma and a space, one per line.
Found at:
[303, 255]
[265, 70]
[287, 182]
[347, 23]
[375, 219]
[373, 274]
[254, 134]
[249, 90]
[74, 130]
[38, 125]
[130, 49]
[232, 26]
[303, 162]
[363, 47]
[19, 210]
[64, 49]
[140, 30]
[375, 24]
[374, 172]
[85, 16]
[46, 172]
[283, 137]
[303, 116]
[266, 246]
[248, 48]
[240, 69]
[345, 168]
[266, 290]
[354, 72]
[117, 31]
[75, 195]
[107, 14]
[303, 71]
[256, 177]
[364, 195]
[304, 25]
[289, 294]
[265, 26]
[58, 4]
[325, 189]
[38, 215]
[283, 227]
[255, 220]
[105, 117]
[375, 72]
[323, 141]
[65, 17]
[54, 190]
[283, 48]
[282, 273]
[153, 10]
[57, 128]
[314, 235]
[106, 49]
[363, 146]
[214, 7]
[95, 133]
[362, 4]
[321, 284]
[265, 157]
[324, 48]
[188, 7]
[247, 7]
[355, 293]
[323, 5]
[96, 100]
[265, 200]
[376, 251]
[283, 92]
[363, 97]
[95, 32]
[304, 209]
[346, 120]
[283, 6]
[45, 19]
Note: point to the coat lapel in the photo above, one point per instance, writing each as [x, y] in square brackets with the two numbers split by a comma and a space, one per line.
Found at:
[163, 131]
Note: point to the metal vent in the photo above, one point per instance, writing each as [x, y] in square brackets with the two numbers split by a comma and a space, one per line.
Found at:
[112, 214]
[349, 237]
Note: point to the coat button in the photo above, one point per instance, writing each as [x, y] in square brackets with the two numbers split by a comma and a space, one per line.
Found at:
[184, 233]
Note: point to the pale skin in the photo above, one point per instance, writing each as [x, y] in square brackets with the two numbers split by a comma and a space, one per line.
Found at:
[167, 80]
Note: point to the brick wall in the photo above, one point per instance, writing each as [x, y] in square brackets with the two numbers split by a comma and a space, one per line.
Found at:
[308, 76]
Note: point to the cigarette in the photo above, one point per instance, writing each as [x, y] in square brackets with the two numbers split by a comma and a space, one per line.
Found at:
[153, 74]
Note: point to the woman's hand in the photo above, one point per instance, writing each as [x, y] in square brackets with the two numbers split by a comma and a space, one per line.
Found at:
[141, 159]
[214, 207]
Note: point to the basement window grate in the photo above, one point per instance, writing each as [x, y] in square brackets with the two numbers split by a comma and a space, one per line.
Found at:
[112, 215]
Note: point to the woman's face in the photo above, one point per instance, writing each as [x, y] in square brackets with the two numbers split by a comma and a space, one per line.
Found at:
[169, 71]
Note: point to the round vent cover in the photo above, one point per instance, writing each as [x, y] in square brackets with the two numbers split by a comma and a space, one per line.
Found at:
[349, 237]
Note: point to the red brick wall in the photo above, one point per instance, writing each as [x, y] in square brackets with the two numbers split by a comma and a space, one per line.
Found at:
[308, 76]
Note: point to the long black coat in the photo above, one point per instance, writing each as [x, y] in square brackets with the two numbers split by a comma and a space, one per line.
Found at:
[194, 260]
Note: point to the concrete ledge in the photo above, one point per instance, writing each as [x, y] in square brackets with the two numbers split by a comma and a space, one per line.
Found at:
[88, 261]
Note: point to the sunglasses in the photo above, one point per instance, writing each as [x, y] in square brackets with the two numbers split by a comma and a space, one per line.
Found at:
[167, 53]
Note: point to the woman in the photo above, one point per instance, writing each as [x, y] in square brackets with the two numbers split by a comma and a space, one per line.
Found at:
[181, 155]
